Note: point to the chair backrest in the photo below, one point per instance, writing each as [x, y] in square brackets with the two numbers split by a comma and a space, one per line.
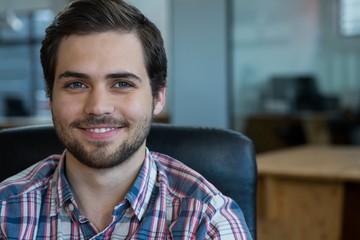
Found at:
[226, 158]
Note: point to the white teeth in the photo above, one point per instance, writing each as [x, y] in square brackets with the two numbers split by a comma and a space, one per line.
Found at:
[100, 130]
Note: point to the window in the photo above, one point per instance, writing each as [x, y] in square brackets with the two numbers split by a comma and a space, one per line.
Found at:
[349, 17]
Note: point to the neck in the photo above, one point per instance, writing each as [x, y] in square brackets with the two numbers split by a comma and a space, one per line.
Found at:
[98, 191]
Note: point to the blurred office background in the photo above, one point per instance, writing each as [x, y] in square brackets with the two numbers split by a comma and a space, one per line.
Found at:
[284, 72]
[232, 64]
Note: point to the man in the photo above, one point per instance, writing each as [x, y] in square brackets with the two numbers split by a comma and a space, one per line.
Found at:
[105, 69]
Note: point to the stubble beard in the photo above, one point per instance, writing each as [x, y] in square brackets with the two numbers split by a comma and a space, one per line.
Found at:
[101, 157]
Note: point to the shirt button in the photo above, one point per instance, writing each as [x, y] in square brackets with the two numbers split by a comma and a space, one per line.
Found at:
[70, 207]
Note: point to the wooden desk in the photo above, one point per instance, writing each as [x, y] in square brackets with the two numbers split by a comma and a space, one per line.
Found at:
[302, 192]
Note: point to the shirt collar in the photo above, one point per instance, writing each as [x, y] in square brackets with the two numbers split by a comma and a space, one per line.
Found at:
[141, 191]
[138, 196]
[60, 188]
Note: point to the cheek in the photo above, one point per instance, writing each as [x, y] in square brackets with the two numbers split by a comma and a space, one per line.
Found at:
[65, 108]
[136, 107]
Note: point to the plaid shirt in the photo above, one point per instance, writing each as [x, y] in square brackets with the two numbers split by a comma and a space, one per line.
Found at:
[167, 201]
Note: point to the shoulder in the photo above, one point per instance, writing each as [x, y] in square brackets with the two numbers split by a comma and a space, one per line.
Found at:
[188, 191]
[182, 181]
[31, 179]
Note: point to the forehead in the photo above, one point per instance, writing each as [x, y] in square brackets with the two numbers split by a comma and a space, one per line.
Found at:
[106, 51]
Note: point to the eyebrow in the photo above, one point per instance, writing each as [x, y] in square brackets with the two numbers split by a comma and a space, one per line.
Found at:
[68, 74]
[123, 75]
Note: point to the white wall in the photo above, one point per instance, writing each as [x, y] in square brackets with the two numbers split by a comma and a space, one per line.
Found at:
[199, 75]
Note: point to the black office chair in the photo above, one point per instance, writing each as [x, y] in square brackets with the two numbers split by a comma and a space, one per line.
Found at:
[226, 158]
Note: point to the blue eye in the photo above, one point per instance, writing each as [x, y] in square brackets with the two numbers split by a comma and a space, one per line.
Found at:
[123, 85]
[76, 85]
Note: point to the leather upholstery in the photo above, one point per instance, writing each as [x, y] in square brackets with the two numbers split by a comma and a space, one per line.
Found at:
[226, 158]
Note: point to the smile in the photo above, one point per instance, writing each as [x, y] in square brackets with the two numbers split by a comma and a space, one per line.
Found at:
[100, 130]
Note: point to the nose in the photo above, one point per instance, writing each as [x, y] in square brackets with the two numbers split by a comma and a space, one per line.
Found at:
[99, 102]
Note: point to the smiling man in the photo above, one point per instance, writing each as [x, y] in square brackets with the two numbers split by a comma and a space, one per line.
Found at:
[105, 70]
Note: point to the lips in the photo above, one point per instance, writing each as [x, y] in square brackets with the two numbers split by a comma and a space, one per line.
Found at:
[100, 133]
[101, 130]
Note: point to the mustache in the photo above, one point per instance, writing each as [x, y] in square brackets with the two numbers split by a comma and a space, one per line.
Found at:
[93, 120]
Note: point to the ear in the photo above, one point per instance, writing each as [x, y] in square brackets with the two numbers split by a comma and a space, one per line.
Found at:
[160, 101]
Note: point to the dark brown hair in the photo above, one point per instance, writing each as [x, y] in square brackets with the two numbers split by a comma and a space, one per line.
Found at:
[83, 17]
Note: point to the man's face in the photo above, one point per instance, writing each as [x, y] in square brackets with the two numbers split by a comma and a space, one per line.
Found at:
[102, 103]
